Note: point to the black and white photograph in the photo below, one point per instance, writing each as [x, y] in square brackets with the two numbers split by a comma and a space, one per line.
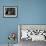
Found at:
[10, 11]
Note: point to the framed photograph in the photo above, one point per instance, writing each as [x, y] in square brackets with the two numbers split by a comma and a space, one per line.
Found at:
[10, 11]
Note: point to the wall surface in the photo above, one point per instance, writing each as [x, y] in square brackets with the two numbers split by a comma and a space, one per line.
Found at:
[29, 12]
[32, 11]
